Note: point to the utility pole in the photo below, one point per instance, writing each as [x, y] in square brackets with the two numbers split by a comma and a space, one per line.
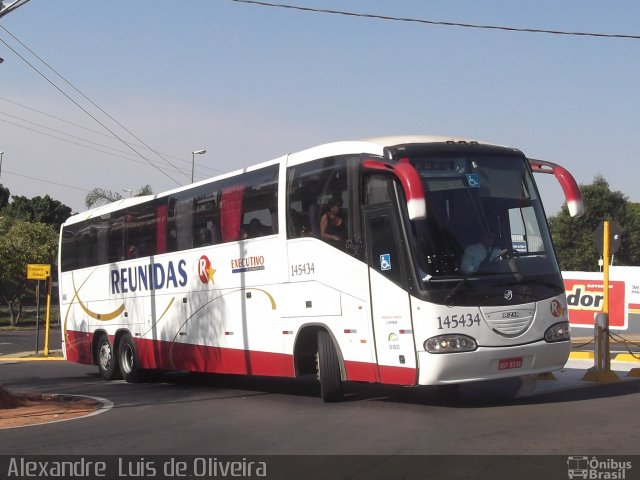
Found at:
[7, 6]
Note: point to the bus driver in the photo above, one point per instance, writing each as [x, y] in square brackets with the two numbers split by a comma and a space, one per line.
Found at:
[478, 256]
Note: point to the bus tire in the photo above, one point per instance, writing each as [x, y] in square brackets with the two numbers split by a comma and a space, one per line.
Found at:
[328, 369]
[106, 358]
[128, 360]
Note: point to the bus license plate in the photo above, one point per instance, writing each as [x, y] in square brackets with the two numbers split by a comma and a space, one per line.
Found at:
[507, 363]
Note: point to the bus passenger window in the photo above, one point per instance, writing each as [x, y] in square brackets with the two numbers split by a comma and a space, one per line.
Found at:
[319, 200]
[203, 238]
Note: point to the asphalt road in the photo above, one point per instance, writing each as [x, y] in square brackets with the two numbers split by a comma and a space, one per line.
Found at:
[21, 341]
[205, 414]
[180, 414]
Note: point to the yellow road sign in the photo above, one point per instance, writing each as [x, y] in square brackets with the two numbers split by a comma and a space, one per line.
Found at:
[38, 271]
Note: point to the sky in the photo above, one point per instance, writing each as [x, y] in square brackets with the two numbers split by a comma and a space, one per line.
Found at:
[250, 83]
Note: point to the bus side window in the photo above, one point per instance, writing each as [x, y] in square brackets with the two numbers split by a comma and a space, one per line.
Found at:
[231, 212]
[140, 231]
[206, 215]
[161, 228]
[180, 223]
[69, 249]
[260, 203]
[311, 187]
[116, 237]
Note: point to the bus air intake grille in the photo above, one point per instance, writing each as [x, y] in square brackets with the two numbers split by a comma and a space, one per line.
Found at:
[509, 321]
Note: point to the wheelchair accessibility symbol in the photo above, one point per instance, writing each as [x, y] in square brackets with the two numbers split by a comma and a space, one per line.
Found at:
[473, 180]
[385, 261]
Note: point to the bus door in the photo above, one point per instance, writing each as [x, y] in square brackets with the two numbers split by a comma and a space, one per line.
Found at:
[390, 304]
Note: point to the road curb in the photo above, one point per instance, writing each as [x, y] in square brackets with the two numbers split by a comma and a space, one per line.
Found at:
[105, 406]
[581, 355]
[620, 357]
[626, 357]
[30, 359]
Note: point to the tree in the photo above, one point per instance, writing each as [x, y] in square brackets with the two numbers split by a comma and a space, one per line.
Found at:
[4, 196]
[38, 209]
[22, 243]
[100, 196]
[632, 233]
[573, 237]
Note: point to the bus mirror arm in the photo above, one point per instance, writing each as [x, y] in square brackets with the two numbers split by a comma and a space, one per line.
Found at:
[411, 184]
[567, 182]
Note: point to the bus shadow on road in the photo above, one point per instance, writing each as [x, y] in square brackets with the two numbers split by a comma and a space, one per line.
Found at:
[306, 386]
[354, 392]
[514, 391]
[493, 393]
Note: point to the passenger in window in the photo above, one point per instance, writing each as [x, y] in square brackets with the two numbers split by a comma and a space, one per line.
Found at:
[204, 238]
[333, 228]
[132, 252]
[478, 257]
[300, 224]
[255, 228]
[305, 229]
[143, 249]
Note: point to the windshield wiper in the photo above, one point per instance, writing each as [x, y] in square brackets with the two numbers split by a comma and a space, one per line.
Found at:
[545, 283]
[448, 300]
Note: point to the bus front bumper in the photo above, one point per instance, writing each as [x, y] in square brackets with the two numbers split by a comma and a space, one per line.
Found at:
[488, 363]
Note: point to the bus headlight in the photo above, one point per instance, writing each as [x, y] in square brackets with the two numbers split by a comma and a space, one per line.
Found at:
[558, 332]
[450, 344]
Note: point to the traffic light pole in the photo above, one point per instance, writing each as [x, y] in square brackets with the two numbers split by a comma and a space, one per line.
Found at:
[8, 7]
[601, 370]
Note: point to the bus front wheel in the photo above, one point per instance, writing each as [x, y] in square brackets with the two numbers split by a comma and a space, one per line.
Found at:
[128, 360]
[106, 358]
[328, 369]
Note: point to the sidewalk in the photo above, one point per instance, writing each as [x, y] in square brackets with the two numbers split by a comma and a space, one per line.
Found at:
[620, 343]
[54, 355]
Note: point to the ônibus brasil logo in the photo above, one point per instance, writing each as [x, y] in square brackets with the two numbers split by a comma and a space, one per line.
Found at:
[595, 468]
[205, 270]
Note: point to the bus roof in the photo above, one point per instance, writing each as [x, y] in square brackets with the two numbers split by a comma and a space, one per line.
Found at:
[373, 146]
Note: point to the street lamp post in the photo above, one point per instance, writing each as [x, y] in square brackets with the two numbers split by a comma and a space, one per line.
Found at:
[1, 154]
[193, 160]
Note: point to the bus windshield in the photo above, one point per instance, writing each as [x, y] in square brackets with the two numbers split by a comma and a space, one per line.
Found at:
[484, 223]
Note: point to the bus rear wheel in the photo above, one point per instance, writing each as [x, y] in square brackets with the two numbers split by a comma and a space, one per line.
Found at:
[106, 358]
[128, 360]
[328, 369]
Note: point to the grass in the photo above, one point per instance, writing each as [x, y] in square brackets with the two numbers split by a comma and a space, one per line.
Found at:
[28, 319]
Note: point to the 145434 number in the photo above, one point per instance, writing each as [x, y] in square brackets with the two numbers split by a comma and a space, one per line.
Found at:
[302, 269]
[455, 321]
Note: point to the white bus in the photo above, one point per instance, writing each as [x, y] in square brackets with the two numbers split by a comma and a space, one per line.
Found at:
[344, 260]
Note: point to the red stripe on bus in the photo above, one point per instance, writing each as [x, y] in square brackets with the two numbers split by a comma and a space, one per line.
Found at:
[165, 355]
[397, 375]
[201, 358]
[361, 371]
[78, 347]
[368, 372]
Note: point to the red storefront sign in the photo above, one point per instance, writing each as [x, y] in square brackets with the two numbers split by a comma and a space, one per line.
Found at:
[585, 298]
